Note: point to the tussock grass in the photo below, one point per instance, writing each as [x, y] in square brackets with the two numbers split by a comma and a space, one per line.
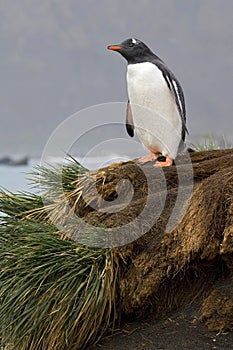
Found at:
[17, 205]
[54, 293]
[48, 177]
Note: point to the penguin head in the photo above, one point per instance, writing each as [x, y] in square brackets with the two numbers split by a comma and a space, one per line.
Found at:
[133, 50]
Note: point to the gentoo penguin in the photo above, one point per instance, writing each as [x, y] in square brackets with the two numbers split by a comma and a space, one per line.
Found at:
[156, 106]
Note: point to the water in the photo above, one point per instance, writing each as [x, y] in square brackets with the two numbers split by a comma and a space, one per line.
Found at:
[14, 178]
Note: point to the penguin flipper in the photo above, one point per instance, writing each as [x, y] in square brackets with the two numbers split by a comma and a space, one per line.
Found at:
[177, 92]
[129, 120]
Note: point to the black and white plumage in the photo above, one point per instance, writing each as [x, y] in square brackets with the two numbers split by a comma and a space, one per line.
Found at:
[156, 105]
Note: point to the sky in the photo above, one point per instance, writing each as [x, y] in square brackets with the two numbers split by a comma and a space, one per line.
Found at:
[54, 63]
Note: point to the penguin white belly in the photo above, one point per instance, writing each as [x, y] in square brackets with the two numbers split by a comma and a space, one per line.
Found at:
[155, 114]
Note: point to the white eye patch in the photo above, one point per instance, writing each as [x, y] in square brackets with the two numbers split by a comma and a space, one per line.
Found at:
[134, 41]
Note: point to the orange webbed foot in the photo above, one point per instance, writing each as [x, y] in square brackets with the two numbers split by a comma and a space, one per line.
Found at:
[164, 161]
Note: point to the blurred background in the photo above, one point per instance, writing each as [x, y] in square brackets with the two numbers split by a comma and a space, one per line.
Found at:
[54, 63]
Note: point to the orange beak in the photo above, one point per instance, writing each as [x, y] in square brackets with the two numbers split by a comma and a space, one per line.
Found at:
[114, 47]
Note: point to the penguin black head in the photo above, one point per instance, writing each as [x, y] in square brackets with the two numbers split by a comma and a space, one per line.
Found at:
[133, 50]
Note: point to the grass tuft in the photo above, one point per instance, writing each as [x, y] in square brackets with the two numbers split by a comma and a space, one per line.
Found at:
[48, 177]
[210, 143]
[54, 294]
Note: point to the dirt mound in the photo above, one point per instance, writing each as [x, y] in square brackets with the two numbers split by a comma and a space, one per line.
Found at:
[162, 270]
[195, 249]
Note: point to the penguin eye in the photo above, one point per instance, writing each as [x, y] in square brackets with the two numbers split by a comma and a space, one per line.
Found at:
[133, 42]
